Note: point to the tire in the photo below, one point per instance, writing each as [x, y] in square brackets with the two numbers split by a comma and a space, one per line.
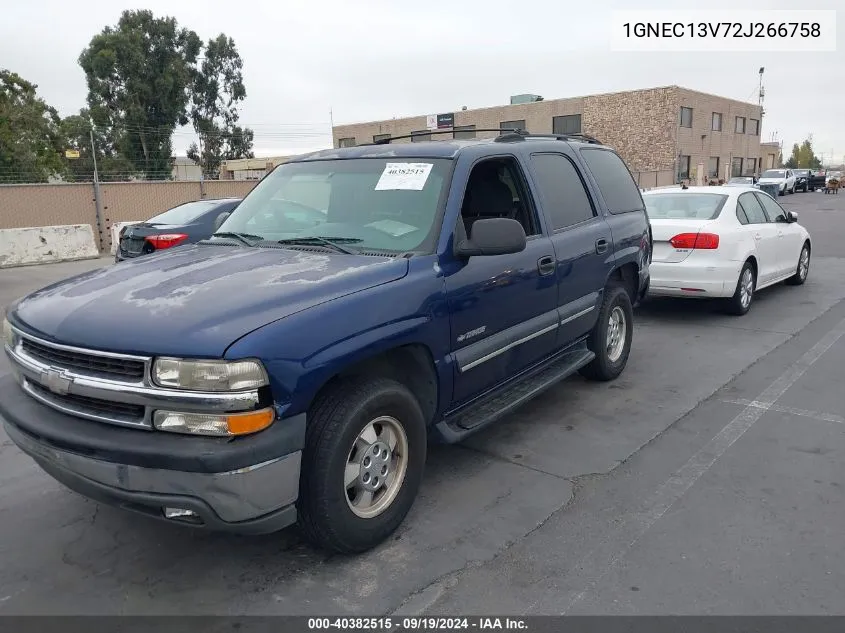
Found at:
[740, 303]
[333, 442]
[802, 269]
[782, 192]
[610, 358]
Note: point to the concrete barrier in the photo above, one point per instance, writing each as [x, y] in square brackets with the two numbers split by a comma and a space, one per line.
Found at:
[115, 233]
[47, 244]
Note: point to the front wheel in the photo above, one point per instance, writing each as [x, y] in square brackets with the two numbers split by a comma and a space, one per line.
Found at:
[611, 337]
[740, 302]
[802, 269]
[365, 451]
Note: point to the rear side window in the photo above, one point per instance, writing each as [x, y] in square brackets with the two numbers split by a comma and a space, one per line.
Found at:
[617, 186]
[753, 211]
[562, 191]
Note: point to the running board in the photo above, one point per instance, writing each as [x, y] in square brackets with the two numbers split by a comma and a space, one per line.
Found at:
[476, 416]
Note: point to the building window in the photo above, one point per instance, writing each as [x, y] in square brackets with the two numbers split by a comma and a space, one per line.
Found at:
[713, 167]
[716, 123]
[380, 137]
[736, 167]
[420, 135]
[463, 131]
[513, 125]
[753, 127]
[567, 124]
[683, 167]
[750, 166]
[346, 142]
[686, 117]
[740, 125]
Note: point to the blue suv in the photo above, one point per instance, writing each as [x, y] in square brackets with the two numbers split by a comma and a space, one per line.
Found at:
[358, 302]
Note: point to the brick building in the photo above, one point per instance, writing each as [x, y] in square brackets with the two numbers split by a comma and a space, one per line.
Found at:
[664, 134]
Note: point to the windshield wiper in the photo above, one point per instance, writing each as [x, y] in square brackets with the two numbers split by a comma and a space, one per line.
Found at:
[334, 242]
[243, 237]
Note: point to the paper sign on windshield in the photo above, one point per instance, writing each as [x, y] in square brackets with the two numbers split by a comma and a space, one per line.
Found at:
[404, 176]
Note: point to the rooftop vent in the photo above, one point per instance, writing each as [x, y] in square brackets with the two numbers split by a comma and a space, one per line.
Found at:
[527, 98]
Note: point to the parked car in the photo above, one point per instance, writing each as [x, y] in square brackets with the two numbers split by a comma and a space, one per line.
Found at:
[724, 242]
[783, 178]
[808, 180]
[277, 373]
[186, 223]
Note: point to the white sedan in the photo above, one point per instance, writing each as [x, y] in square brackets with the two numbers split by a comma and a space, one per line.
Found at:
[724, 242]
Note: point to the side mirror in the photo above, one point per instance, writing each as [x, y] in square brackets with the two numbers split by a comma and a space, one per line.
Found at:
[791, 216]
[218, 222]
[493, 236]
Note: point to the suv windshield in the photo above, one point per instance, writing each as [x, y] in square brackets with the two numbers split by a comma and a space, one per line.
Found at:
[382, 204]
[774, 173]
[184, 213]
[677, 206]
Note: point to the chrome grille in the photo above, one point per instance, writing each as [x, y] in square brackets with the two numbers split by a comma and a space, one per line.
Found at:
[106, 366]
[90, 407]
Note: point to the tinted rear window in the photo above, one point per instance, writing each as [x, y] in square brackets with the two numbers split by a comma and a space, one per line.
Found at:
[188, 212]
[684, 206]
[615, 182]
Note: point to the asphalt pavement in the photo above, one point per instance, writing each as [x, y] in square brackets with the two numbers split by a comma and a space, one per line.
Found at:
[706, 480]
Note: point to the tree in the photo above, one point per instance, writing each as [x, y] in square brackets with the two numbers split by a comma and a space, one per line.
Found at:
[217, 90]
[140, 77]
[803, 156]
[111, 165]
[30, 143]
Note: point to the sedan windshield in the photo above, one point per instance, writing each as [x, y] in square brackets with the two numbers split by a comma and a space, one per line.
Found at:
[382, 204]
[774, 173]
[184, 213]
[679, 206]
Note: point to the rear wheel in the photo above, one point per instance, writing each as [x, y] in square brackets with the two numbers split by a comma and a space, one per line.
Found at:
[611, 337]
[740, 302]
[365, 450]
[802, 269]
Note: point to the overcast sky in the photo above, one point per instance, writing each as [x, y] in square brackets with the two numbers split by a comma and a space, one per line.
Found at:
[377, 59]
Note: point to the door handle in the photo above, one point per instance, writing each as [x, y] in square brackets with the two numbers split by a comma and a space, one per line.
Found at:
[546, 265]
[601, 246]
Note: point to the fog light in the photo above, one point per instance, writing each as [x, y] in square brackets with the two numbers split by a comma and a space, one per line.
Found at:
[180, 514]
[218, 425]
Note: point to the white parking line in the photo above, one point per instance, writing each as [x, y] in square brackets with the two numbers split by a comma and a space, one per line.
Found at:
[604, 558]
[804, 413]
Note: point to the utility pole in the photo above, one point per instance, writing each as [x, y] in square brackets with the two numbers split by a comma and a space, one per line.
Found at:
[331, 124]
[98, 203]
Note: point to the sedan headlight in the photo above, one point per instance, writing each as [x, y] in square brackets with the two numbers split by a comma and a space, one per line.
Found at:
[9, 337]
[209, 375]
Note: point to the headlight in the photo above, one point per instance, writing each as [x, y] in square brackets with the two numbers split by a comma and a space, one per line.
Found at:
[209, 375]
[213, 424]
[8, 335]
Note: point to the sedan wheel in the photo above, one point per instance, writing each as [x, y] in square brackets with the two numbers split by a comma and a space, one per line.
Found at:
[740, 303]
[803, 268]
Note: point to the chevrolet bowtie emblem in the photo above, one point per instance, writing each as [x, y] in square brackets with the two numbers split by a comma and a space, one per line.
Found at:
[57, 381]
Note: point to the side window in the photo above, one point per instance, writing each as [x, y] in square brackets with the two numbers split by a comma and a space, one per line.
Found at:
[565, 198]
[753, 211]
[740, 213]
[496, 189]
[615, 182]
[772, 208]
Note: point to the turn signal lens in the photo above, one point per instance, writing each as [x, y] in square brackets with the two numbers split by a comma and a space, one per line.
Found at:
[166, 240]
[689, 241]
[216, 425]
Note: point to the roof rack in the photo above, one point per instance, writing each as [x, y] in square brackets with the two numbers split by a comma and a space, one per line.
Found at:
[451, 130]
[520, 135]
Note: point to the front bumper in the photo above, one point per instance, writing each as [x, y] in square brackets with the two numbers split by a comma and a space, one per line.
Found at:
[246, 485]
